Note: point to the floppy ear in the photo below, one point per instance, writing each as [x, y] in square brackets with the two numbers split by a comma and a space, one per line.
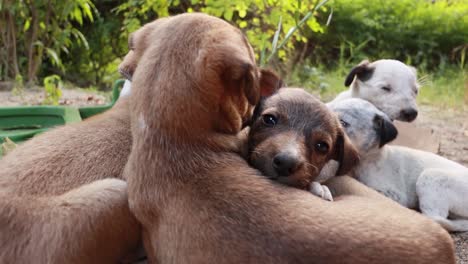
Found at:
[270, 82]
[129, 63]
[242, 75]
[363, 71]
[345, 153]
[385, 129]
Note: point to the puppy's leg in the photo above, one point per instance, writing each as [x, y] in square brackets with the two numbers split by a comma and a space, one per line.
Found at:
[90, 224]
[440, 193]
[345, 185]
[321, 191]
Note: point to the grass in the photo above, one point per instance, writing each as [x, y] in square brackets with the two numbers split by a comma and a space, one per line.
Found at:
[445, 89]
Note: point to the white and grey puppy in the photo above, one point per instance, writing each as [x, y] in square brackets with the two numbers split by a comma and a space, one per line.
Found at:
[388, 84]
[416, 179]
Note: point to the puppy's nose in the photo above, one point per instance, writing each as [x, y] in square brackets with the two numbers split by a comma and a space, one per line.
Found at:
[409, 114]
[285, 164]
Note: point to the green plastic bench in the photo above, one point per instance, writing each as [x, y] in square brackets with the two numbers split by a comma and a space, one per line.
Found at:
[23, 122]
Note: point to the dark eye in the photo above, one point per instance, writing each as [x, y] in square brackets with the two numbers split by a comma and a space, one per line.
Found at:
[387, 88]
[322, 147]
[269, 120]
[344, 123]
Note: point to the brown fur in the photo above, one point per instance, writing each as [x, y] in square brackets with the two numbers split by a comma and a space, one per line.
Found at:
[70, 167]
[303, 123]
[56, 205]
[200, 202]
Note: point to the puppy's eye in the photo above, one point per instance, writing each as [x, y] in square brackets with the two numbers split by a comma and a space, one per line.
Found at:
[322, 147]
[269, 120]
[387, 88]
[344, 123]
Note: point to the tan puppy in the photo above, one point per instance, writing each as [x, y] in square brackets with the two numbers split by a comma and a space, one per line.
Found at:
[200, 202]
[55, 205]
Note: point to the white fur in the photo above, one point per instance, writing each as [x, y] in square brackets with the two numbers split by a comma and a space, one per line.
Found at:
[400, 77]
[321, 191]
[126, 90]
[416, 179]
[141, 122]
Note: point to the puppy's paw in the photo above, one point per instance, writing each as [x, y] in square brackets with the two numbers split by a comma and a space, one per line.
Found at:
[321, 191]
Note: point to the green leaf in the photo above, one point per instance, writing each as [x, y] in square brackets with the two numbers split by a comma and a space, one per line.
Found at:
[228, 14]
[54, 57]
[330, 16]
[320, 4]
[243, 24]
[80, 37]
[26, 25]
[78, 16]
[276, 36]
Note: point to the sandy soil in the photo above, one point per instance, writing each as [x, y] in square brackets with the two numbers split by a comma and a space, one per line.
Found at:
[450, 125]
[73, 97]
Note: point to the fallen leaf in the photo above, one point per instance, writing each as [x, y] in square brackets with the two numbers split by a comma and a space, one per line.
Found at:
[8, 146]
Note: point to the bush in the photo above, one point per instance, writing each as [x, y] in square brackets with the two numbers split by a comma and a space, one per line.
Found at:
[427, 34]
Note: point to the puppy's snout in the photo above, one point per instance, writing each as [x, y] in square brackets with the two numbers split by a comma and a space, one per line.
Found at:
[286, 164]
[409, 114]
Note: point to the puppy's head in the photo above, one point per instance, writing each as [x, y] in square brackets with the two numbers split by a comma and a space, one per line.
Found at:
[388, 84]
[368, 128]
[195, 73]
[293, 135]
[138, 42]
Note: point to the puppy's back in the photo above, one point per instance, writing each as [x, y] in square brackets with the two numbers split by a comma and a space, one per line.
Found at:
[261, 219]
[69, 156]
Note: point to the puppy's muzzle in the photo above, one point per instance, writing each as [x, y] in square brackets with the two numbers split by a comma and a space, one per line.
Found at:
[286, 164]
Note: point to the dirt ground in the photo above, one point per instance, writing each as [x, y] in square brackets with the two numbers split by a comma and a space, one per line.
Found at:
[450, 125]
[33, 96]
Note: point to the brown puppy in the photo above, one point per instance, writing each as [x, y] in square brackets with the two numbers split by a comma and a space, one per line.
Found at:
[55, 206]
[200, 202]
[293, 135]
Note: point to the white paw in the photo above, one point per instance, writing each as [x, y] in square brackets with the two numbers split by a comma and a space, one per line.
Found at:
[321, 191]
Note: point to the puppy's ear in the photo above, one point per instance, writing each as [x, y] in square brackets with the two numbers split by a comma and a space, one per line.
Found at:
[345, 153]
[270, 83]
[385, 129]
[363, 71]
[242, 75]
[129, 63]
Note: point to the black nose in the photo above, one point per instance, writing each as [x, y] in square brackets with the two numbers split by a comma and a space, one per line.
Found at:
[285, 164]
[409, 114]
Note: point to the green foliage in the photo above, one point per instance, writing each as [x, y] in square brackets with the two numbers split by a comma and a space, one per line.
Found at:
[443, 88]
[420, 32]
[18, 86]
[52, 85]
[83, 41]
[41, 30]
[259, 19]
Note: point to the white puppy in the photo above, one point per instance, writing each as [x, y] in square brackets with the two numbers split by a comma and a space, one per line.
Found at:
[388, 84]
[416, 179]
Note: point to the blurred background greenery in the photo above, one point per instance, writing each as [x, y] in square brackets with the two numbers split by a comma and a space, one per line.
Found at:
[81, 42]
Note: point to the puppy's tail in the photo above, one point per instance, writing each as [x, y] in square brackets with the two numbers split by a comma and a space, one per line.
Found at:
[89, 224]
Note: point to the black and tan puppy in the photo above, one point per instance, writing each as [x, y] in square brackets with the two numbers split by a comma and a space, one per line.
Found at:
[292, 135]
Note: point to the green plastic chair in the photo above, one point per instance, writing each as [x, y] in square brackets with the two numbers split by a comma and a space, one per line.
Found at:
[23, 122]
